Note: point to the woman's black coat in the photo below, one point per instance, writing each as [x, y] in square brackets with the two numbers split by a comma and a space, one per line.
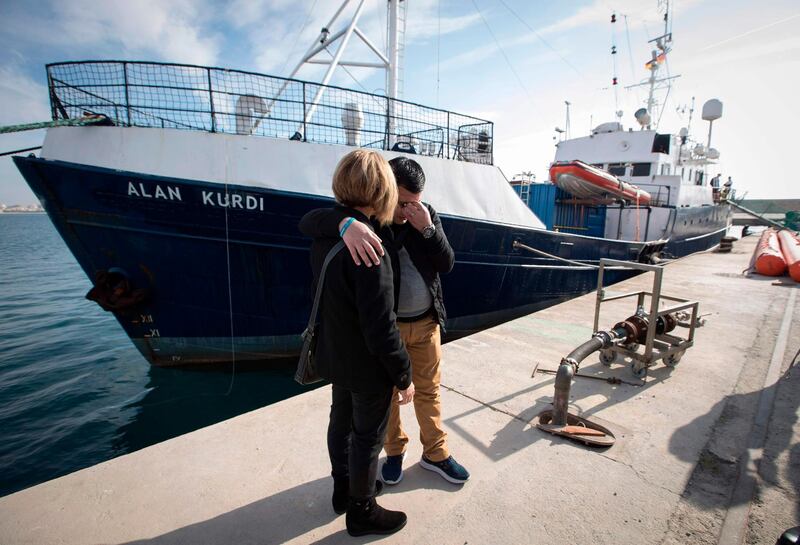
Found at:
[359, 346]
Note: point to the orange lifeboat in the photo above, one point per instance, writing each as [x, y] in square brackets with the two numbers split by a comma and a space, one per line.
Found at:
[587, 182]
[767, 258]
[790, 248]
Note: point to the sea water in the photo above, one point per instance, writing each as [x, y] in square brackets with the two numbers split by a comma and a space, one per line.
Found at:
[74, 391]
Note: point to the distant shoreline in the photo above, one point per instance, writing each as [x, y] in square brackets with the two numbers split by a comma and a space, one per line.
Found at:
[21, 213]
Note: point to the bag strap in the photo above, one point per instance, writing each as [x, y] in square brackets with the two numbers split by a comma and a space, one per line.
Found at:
[331, 254]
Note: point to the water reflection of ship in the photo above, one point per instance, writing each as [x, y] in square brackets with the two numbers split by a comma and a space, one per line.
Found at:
[179, 401]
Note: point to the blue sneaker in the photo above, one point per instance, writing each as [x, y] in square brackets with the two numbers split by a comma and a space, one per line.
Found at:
[392, 469]
[449, 469]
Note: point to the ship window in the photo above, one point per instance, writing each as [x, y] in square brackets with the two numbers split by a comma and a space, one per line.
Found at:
[698, 177]
[665, 169]
[641, 169]
[617, 169]
[661, 144]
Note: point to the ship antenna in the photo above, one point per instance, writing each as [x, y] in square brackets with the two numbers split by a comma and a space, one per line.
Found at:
[614, 61]
[659, 54]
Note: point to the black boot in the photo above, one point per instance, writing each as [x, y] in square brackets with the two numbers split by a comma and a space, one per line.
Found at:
[341, 494]
[367, 517]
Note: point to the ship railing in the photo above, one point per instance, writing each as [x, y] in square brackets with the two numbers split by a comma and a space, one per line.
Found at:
[660, 194]
[190, 97]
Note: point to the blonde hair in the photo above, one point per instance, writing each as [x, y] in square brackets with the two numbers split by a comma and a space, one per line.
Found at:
[364, 178]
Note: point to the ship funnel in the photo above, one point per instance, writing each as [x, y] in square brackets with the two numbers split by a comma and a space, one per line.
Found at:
[352, 121]
[642, 117]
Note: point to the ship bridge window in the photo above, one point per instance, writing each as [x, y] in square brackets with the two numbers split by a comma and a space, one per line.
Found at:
[641, 169]
[617, 169]
[661, 144]
[698, 177]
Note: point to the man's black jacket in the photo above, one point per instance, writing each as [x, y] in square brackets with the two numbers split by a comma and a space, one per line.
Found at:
[359, 346]
[431, 256]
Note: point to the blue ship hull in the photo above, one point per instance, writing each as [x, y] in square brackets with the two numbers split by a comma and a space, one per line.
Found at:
[227, 273]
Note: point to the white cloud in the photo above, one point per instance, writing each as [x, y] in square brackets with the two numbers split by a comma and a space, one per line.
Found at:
[25, 100]
[638, 13]
[776, 51]
[425, 22]
[178, 31]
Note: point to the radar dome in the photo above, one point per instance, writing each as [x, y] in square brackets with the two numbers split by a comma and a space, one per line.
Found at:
[642, 117]
[700, 149]
[712, 110]
[712, 153]
[611, 126]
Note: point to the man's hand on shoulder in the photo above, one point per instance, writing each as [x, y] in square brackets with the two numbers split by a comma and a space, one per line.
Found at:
[362, 242]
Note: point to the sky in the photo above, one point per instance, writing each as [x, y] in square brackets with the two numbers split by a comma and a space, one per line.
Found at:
[513, 62]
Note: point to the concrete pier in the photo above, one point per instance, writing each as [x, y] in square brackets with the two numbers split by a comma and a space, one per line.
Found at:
[682, 437]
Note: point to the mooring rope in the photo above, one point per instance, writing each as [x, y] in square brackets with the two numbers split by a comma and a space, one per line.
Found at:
[551, 256]
[76, 122]
[23, 150]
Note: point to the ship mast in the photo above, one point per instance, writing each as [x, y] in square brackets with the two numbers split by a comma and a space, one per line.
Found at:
[394, 47]
[389, 62]
[663, 45]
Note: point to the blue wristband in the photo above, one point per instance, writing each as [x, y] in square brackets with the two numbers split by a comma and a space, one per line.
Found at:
[346, 225]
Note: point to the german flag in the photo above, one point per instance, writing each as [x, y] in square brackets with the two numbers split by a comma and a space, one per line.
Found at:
[658, 60]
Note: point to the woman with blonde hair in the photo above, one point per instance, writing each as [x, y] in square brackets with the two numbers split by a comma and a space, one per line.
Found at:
[359, 348]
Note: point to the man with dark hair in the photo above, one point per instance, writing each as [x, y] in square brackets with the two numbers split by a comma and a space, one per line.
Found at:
[419, 252]
[715, 188]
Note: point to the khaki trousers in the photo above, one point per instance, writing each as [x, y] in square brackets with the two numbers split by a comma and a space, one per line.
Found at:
[424, 345]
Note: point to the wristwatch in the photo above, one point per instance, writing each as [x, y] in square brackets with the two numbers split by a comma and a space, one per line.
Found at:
[429, 231]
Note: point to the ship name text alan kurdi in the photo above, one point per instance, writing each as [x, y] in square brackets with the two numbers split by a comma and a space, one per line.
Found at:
[209, 198]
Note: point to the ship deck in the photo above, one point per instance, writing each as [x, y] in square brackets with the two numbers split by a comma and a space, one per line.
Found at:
[263, 477]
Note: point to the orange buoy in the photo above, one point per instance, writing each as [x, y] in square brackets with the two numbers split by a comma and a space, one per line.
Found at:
[790, 247]
[768, 259]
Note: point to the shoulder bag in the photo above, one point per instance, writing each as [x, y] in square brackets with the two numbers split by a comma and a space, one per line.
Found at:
[306, 368]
